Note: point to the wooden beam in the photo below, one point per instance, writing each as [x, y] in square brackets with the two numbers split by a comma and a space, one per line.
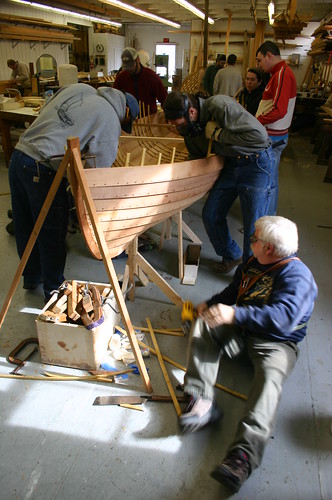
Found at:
[229, 13]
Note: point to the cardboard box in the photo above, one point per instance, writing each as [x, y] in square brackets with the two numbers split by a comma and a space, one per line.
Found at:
[10, 103]
[72, 345]
[190, 264]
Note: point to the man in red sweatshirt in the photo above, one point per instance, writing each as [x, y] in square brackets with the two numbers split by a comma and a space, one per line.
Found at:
[276, 108]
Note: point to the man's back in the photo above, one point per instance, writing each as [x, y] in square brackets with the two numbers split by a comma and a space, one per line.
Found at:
[227, 81]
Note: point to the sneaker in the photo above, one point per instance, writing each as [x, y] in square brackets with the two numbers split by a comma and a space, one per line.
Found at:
[199, 413]
[233, 470]
[227, 265]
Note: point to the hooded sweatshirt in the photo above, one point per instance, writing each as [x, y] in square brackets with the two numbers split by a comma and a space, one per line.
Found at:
[78, 110]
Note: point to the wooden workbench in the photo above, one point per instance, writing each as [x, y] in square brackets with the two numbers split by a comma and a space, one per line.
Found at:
[7, 120]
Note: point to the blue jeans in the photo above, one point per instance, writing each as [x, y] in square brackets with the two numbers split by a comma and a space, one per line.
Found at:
[252, 179]
[272, 361]
[29, 185]
[277, 155]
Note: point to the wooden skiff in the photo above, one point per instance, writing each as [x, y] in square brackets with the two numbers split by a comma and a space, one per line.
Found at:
[131, 199]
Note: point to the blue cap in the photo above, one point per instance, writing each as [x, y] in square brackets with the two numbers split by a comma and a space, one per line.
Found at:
[133, 106]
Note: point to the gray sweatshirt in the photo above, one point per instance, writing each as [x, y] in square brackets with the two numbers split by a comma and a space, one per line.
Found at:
[242, 133]
[78, 110]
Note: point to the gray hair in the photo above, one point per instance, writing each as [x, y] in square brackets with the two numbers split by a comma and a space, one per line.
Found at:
[280, 232]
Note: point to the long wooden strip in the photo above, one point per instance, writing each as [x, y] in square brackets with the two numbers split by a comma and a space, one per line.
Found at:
[163, 369]
[133, 175]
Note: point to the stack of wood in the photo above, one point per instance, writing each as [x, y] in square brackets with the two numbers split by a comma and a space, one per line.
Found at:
[79, 303]
[323, 40]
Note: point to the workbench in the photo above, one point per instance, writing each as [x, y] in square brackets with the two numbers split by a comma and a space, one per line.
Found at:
[7, 120]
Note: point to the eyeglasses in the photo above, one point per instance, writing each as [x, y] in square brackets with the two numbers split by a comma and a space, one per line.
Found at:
[254, 239]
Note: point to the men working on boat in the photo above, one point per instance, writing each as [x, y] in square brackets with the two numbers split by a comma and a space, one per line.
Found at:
[95, 116]
[141, 82]
[274, 293]
[248, 171]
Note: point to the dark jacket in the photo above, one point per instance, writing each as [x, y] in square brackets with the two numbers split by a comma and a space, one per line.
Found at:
[279, 304]
[251, 100]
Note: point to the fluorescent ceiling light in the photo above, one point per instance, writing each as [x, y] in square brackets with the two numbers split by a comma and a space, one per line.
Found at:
[193, 9]
[68, 13]
[270, 9]
[139, 12]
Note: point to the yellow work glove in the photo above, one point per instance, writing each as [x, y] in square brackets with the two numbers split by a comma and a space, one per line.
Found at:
[212, 130]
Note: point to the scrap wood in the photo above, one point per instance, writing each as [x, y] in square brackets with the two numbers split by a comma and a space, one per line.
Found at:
[183, 368]
[163, 369]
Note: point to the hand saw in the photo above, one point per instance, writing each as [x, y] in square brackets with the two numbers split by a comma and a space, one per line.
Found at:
[134, 400]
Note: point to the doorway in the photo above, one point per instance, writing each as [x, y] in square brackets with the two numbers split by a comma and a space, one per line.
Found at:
[167, 49]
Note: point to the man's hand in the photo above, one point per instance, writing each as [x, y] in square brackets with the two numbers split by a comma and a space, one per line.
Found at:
[212, 130]
[218, 315]
[201, 308]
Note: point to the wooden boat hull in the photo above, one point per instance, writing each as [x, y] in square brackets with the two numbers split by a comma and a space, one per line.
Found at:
[130, 200]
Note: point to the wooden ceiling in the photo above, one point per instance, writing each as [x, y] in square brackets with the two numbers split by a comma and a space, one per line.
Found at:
[218, 10]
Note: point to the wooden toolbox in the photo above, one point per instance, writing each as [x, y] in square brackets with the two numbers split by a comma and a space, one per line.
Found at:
[72, 344]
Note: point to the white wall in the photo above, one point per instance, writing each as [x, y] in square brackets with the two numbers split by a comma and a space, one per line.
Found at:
[145, 38]
[113, 46]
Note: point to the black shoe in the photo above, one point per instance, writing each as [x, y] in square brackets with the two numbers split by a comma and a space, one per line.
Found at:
[10, 228]
[233, 470]
[10, 214]
[199, 413]
[29, 284]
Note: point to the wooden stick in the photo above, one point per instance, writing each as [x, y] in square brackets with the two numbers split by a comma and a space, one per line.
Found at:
[151, 138]
[127, 159]
[143, 157]
[59, 378]
[176, 332]
[173, 154]
[181, 367]
[163, 369]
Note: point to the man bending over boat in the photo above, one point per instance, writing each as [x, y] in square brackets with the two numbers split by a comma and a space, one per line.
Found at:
[96, 117]
[248, 171]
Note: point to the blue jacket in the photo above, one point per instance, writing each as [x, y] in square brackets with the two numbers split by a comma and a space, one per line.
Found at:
[279, 304]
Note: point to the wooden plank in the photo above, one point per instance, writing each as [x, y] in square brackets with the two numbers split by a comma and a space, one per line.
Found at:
[133, 175]
[163, 369]
[35, 22]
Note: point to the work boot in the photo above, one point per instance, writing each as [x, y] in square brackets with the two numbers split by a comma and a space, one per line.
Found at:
[199, 413]
[233, 470]
[227, 265]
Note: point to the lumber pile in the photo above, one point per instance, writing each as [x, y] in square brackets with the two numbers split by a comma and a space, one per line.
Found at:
[37, 30]
[323, 40]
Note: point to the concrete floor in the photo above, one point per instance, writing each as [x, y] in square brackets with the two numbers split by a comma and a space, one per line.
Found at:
[56, 445]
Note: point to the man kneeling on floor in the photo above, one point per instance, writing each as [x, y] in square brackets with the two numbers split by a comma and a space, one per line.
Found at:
[274, 294]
